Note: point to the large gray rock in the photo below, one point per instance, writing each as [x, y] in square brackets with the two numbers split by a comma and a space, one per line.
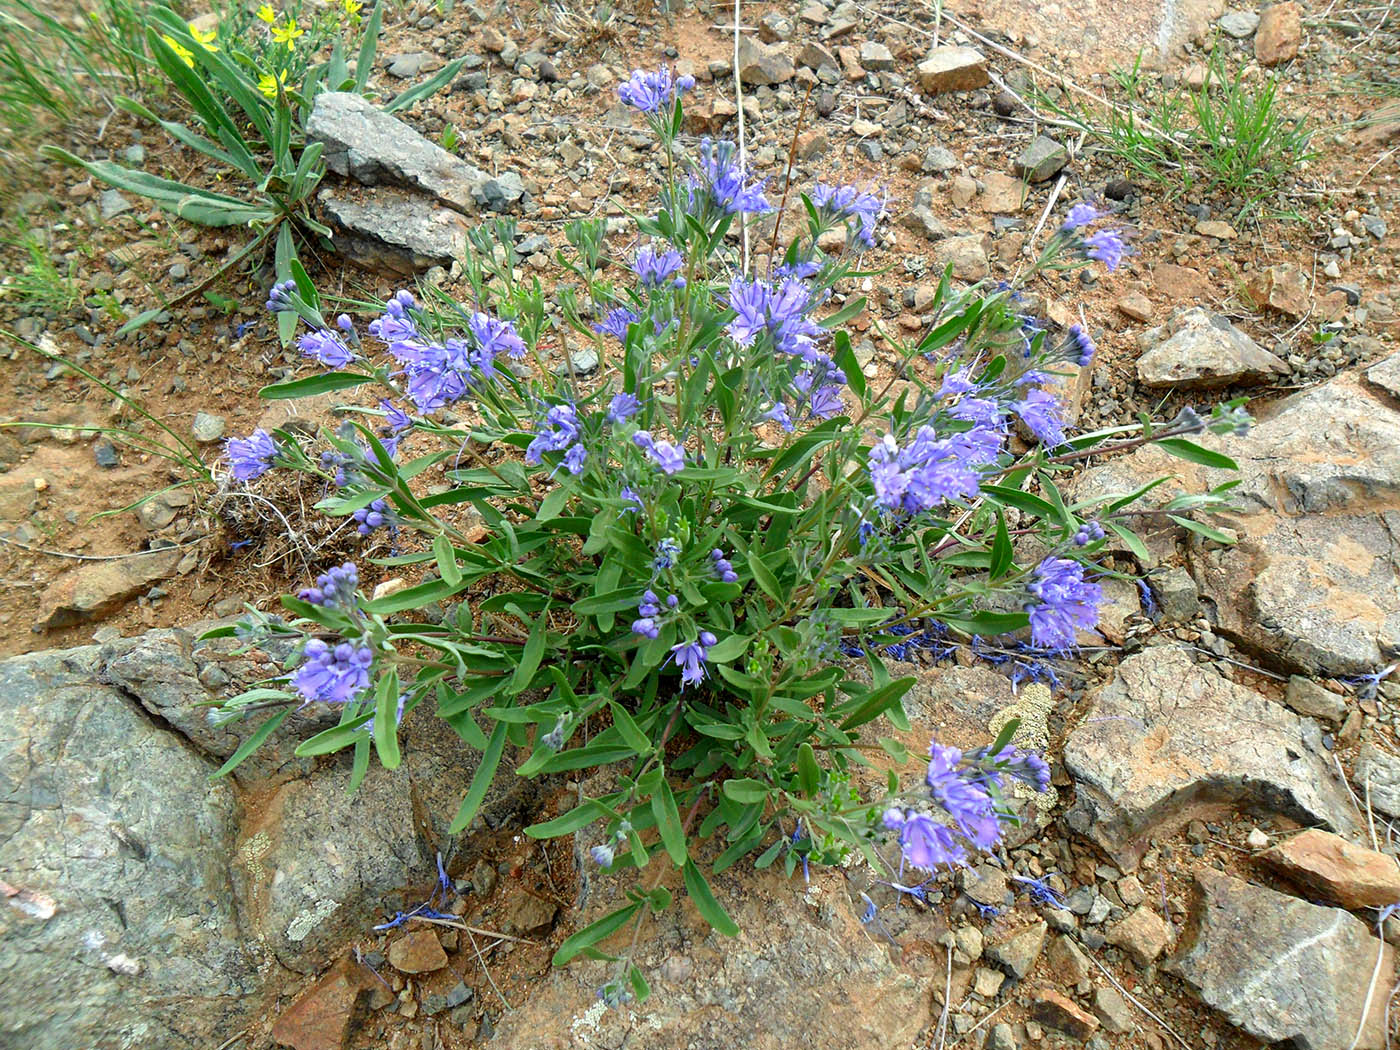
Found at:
[317, 864]
[1314, 583]
[1386, 375]
[760, 64]
[1168, 740]
[373, 147]
[1197, 349]
[1378, 778]
[803, 971]
[1284, 970]
[118, 925]
[391, 230]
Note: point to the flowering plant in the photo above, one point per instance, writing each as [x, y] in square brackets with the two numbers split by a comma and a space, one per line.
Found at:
[676, 557]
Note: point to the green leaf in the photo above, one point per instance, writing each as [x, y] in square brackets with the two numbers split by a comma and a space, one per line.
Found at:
[859, 617]
[313, 385]
[531, 656]
[640, 989]
[448, 568]
[335, 738]
[1194, 453]
[252, 743]
[1203, 530]
[668, 822]
[386, 720]
[841, 316]
[987, 623]
[585, 813]
[142, 319]
[632, 733]
[745, 790]
[595, 932]
[411, 597]
[727, 649]
[553, 503]
[704, 900]
[872, 704]
[1001, 548]
[808, 772]
[1004, 737]
[426, 89]
[1131, 540]
[481, 781]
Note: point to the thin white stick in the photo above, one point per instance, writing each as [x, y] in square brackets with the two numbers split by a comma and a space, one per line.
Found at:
[1370, 988]
[739, 101]
[1138, 1003]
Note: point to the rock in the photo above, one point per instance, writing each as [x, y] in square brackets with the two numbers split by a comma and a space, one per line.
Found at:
[1113, 1011]
[373, 147]
[1337, 870]
[207, 427]
[1279, 33]
[1018, 953]
[987, 983]
[1135, 306]
[1378, 778]
[113, 204]
[1068, 960]
[410, 65]
[760, 64]
[1314, 585]
[1282, 969]
[96, 588]
[876, 57]
[1002, 1037]
[1041, 160]
[1177, 594]
[1196, 349]
[1144, 935]
[1162, 743]
[1283, 288]
[119, 928]
[390, 230]
[969, 941]
[1239, 24]
[1221, 231]
[500, 193]
[104, 454]
[1055, 1011]
[530, 914]
[951, 67]
[815, 56]
[582, 362]
[965, 254]
[417, 952]
[316, 862]
[1001, 194]
[1179, 284]
[1309, 698]
[1386, 375]
[727, 990]
[986, 884]
[923, 221]
[325, 1015]
[936, 160]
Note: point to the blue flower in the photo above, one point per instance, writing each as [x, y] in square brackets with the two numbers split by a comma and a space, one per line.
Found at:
[957, 790]
[1089, 532]
[799, 270]
[325, 346]
[690, 658]
[848, 202]
[377, 515]
[779, 310]
[667, 456]
[279, 297]
[1106, 246]
[622, 407]
[1063, 602]
[721, 181]
[722, 567]
[334, 589]
[602, 855]
[574, 459]
[629, 496]
[1041, 414]
[923, 842]
[649, 92]
[495, 337]
[666, 552]
[333, 675]
[251, 457]
[1082, 348]
[615, 323]
[657, 268]
[396, 418]
[555, 433]
[826, 402]
[931, 470]
[778, 413]
[1082, 214]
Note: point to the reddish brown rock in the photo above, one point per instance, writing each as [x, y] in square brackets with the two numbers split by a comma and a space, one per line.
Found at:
[326, 1014]
[952, 68]
[97, 588]
[1053, 1010]
[1283, 288]
[1344, 873]
[1279, 34]
[1179, 284]
[1143, 935]
[417, 952]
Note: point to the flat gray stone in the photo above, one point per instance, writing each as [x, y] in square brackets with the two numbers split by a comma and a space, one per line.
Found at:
[120, 930]
[1041, 160]
[1168, 741]
[113, 204]
[1239, 24]
[876, 57]
[1284, 970]
[1196, 349]
[1378, 772]
[760, 64]
[373, 147]
[1313, 586]
[1386, 375]
[391, 230]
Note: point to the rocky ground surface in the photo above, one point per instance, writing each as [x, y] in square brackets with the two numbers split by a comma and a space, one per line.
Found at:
[1215, 869]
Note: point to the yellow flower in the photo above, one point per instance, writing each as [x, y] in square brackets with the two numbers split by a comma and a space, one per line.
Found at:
[267, 14]
[352, 8]
[185, 54]
[288, 33]
[204, 39]
[268, 84]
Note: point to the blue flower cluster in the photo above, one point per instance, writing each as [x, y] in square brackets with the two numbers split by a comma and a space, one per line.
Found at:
[650, 92]
[667, 457]
[1105, 246]
[377, 515]
[849, 202]
[649, 613]
[559, 431]
[251, 457]
[720, 182]
[722, 567]
[780, 313]
[334, 589]
[333, 675]
[1063, 602]
[655, 269]
[932, 470]
[690, 658]
[963, 787]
